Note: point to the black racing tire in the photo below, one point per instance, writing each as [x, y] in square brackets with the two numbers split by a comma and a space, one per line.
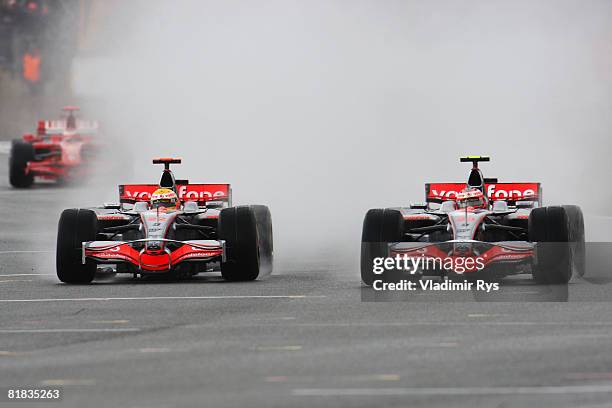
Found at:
[238, 227]
[380, 226]
[75, 227]
[21, 154]
[550, 231]
[576, 230]
[263, 217]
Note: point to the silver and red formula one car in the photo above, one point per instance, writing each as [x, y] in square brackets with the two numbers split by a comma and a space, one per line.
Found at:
[481, 228]
[61, 150]
[174, 227]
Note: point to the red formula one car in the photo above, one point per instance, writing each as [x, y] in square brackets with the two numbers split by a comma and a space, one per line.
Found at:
[61, 150]
[174, 227]
[481, 228]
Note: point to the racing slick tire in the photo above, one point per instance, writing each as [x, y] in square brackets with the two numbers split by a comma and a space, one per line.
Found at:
[21, 154]
[263, 218]
[549, 228]
[578, 246]
[75, 227]
[238, 227]
[380, 226]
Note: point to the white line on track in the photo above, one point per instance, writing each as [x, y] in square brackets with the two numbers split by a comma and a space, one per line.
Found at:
[34, 331]
[278, 348]
[16, 280]
[27, 274]
[118, 321]
[448, 391]
[67, 381]
[5, 147]
[161, 298]
[453, 323]
[25, 252]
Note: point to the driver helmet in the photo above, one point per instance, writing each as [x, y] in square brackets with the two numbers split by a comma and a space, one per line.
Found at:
[164, 199]
[473, 199]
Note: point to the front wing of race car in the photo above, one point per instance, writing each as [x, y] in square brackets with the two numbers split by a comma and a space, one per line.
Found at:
[65, 157]
[153, 260]
[52, 170]
[461, 256]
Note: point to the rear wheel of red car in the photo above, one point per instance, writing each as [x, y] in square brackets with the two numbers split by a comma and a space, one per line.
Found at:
[75, 227]
[238, 227]
[21, 154]
[549, 229]
[380, 226]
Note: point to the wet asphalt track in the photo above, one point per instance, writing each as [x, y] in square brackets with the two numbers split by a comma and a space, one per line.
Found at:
[303, 337]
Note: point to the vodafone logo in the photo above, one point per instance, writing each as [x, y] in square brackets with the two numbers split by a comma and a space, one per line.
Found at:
[505, 193]
[195, 195]
[497, 191]
[138, 195]
[444, 194]
[185, 192]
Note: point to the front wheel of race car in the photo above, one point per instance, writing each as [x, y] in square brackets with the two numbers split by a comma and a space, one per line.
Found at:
[21, 154]
[578, 244]
[263, 218]
[75, 227]
[238, 228]
[380, 226]
[550, 230]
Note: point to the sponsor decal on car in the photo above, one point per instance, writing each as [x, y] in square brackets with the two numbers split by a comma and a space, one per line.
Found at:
[418, 217]
[494, 191]
[189, 192]
[111, 217]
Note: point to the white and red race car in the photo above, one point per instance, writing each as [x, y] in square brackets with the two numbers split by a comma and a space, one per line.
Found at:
[481, 228]
[203, 233]
[61, 150]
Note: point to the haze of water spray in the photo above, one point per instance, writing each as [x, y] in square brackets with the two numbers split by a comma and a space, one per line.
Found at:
[323, 109]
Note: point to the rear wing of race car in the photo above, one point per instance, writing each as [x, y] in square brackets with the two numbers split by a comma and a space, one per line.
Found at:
[59, 126]
[511, 192]
[202, 193]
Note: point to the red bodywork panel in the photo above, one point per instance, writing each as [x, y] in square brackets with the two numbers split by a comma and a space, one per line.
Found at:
[64, 162]
[157, 261]
[438, 192]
